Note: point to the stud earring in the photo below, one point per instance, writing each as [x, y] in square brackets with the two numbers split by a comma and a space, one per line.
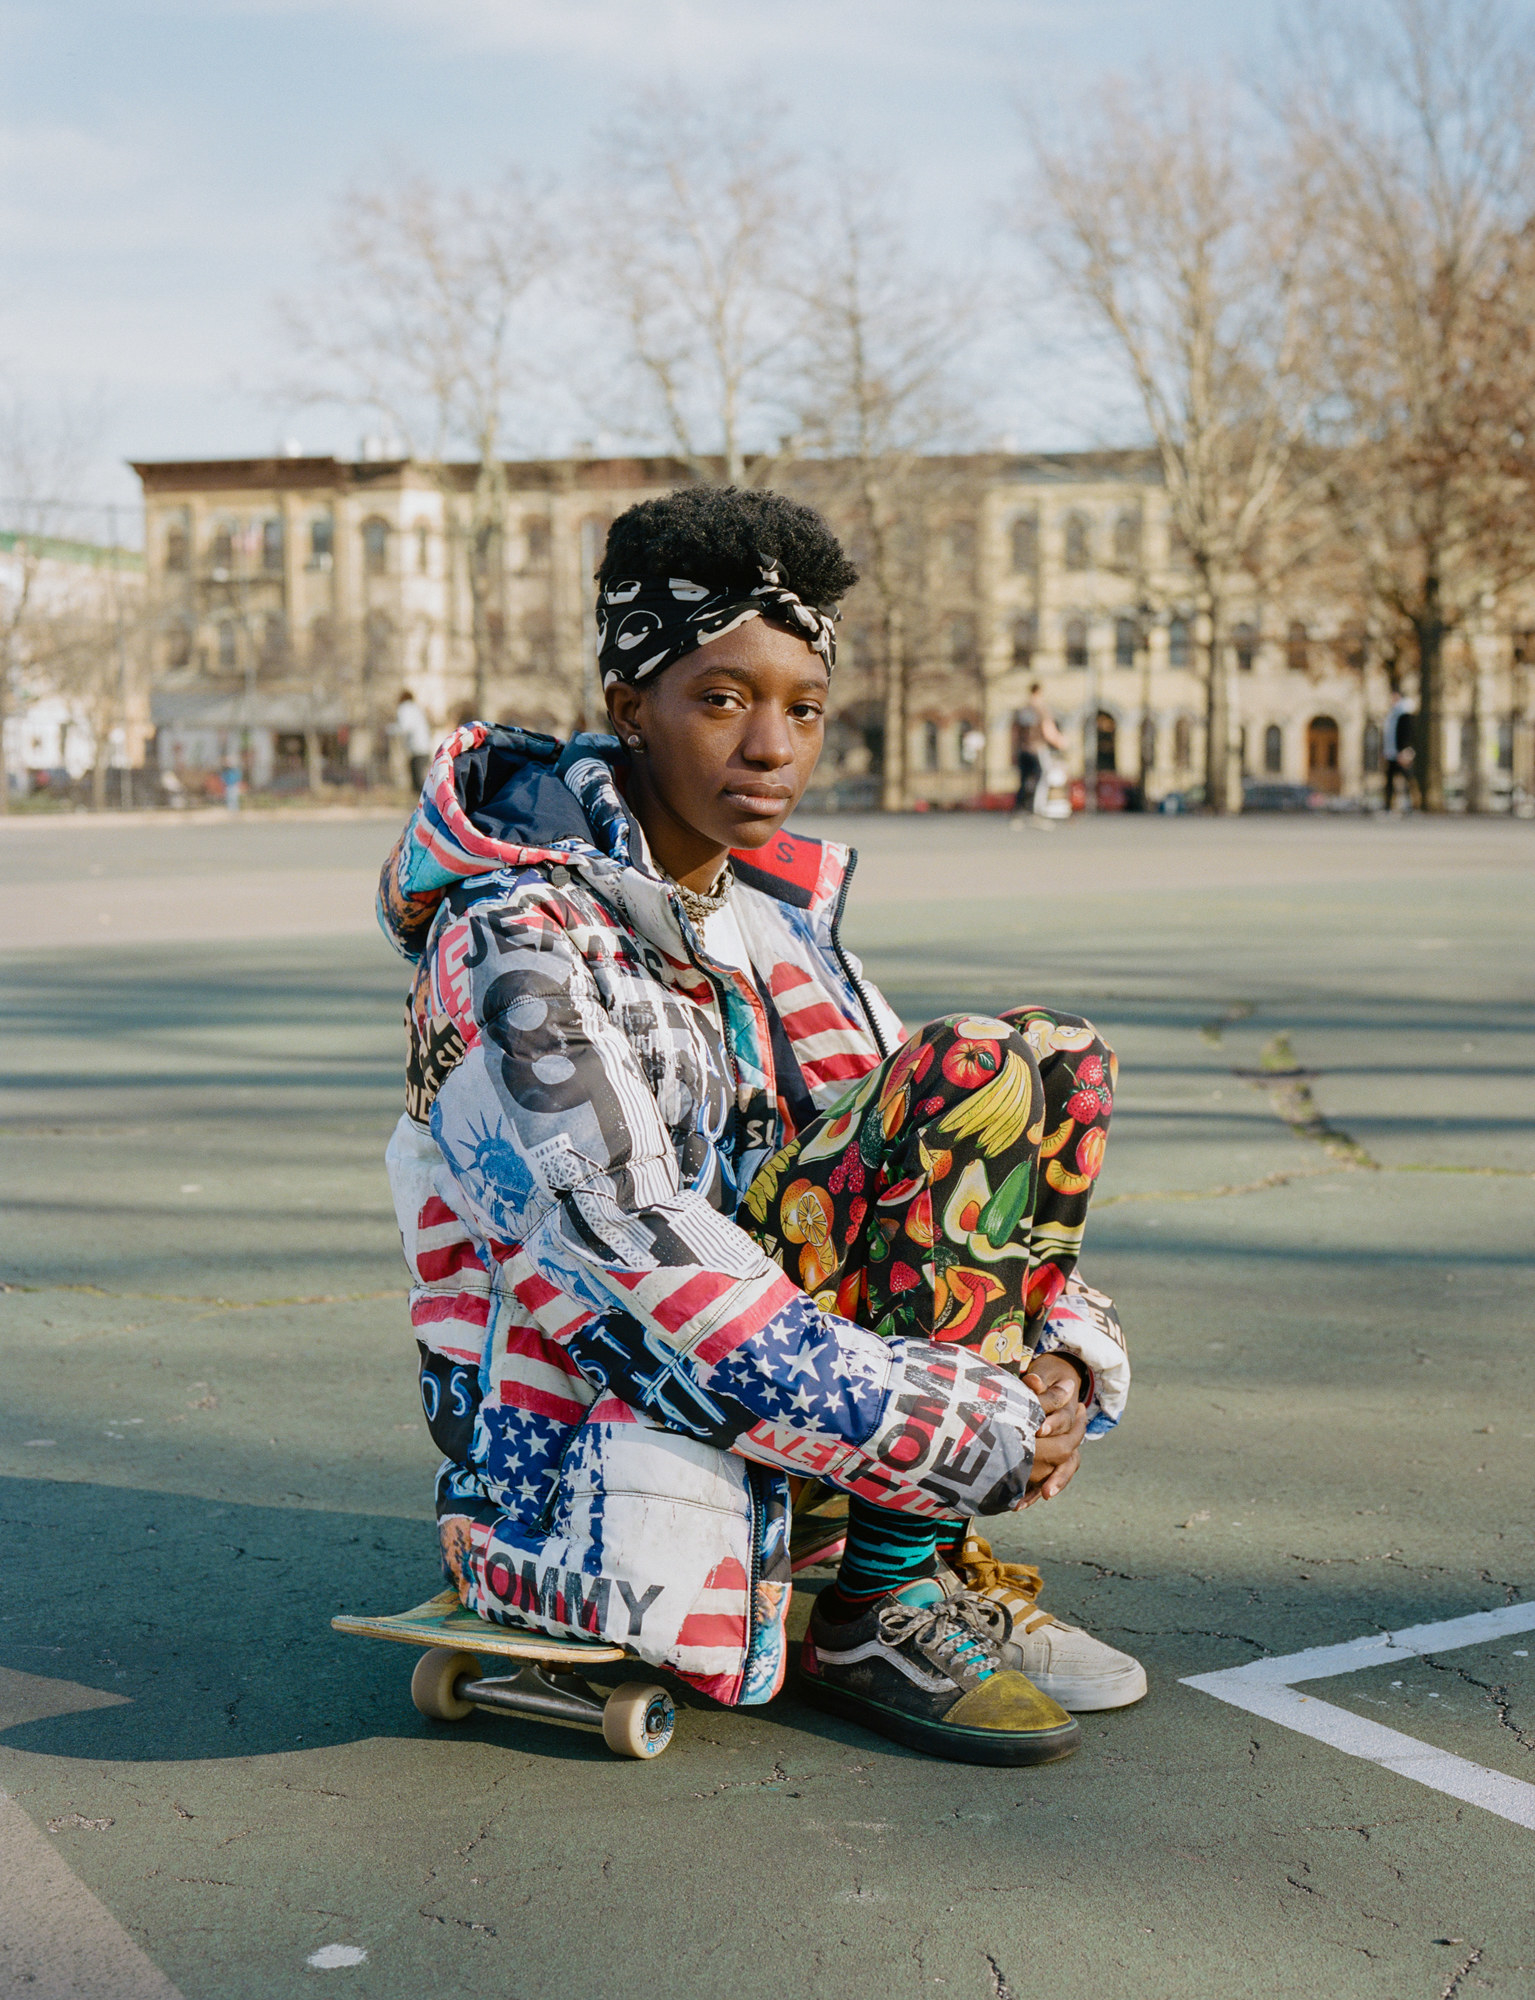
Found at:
[634, 743]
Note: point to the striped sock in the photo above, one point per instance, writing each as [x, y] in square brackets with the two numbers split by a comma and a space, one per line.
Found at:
[884, 1550]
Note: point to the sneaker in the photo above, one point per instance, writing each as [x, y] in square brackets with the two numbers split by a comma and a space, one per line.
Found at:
[1063, 1661]
[921, 1667]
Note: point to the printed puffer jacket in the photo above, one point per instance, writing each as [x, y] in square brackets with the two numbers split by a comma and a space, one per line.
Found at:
[617, 1375]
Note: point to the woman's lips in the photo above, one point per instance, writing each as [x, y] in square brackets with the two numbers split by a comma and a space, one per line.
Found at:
[758, 801]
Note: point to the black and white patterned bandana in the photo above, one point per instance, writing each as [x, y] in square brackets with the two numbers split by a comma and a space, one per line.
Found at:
[643, 627]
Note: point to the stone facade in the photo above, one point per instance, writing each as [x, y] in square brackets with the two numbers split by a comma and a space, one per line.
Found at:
[295, 597]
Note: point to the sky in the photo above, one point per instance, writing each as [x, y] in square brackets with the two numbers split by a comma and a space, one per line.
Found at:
[166, 166]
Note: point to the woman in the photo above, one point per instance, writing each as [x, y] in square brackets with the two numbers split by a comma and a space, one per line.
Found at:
[687, 1213]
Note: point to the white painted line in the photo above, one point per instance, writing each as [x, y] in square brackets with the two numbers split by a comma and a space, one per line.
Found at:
[57, 1941]
[1267, 1688]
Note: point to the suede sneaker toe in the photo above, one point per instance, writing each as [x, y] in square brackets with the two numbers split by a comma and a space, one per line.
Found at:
[922, 1667]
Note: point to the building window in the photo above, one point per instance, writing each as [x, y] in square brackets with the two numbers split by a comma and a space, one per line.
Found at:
[1076, 642]
[1179, 651]
[227, 646]
[375, 546]
[1078, 542]
[322, 642]
[594, 537]
[536, 535]
[930, 746]
[1505, 744]
[274, 638]
[1024, 634]
[272, 543]
[1297, 647]
[962, 544]
[1106, 741]
[178, 644]
[1026, 544]
[1126, 641]
[177, 553]
[962, 644]
[1372, 745]
[423, 547]
[322, 539]
[1245, 640]
[1183, 743]
[1273, 750]
[221, 551]
[1127, 540]
[377, 646]
[1468, 745]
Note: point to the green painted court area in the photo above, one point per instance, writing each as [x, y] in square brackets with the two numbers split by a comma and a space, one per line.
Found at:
[1318, 1219]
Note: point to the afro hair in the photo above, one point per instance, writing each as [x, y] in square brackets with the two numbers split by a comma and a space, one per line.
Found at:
[718, 535]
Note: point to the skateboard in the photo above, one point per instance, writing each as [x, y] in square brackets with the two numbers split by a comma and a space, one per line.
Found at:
[450, 1681]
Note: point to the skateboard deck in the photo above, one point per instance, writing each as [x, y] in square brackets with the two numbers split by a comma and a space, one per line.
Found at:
[443, 1621]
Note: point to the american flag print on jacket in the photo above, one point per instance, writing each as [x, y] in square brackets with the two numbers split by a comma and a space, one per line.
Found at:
[605, 1354]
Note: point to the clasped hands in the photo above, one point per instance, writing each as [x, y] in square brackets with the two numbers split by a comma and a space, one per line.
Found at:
[1058, 1441]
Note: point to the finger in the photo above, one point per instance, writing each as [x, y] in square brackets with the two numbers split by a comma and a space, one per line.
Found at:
[1061, 1477]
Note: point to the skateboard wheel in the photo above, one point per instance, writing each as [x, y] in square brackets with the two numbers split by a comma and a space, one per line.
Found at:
[637, 1721]
[434, 1684]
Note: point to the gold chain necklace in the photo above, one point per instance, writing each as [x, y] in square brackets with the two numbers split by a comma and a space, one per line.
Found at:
[703, 903]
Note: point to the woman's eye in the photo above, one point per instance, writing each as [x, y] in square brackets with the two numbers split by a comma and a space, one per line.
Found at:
[806, 711]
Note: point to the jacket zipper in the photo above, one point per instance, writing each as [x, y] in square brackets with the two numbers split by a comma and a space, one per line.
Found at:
[842, 957]
[755, 1576]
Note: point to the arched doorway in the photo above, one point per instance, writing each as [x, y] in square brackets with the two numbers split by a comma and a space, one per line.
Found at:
[1323, 772]
[1108, 741]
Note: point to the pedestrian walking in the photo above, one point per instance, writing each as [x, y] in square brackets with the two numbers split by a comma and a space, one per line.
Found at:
[416, 735]
[1397, 748]
[1039, 731]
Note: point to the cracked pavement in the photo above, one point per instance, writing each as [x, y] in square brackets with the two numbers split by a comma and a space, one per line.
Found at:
[1316, 1218]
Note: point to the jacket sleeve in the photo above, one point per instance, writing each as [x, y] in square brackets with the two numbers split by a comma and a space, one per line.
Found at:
[551, 1128]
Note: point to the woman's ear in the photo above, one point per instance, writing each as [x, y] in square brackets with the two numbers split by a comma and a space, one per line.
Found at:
[624, 713]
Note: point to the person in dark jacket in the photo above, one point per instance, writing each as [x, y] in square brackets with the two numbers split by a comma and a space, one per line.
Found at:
[695, 1226]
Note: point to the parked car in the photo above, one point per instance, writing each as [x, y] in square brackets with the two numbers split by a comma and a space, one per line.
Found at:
[1190, 799]
[1270, 795]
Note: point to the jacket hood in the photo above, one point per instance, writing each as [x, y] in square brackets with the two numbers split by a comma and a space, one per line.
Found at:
[498, 797]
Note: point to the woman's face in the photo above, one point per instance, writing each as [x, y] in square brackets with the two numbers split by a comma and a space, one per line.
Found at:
[730, 735]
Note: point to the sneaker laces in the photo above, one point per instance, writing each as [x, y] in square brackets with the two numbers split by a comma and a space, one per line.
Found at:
[956, 1634]
[982, 1573]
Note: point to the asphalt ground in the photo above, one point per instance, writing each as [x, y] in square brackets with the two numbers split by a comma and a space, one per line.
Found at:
[209, 1443]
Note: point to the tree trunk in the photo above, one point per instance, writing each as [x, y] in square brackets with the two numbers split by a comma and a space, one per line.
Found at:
[892, 791]
[1428, 628]
[99, 782]
[1220, 794]
[314, 767]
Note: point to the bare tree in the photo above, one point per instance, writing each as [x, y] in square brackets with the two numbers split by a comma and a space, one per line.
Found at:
[694, 228]
[1417, 118]
[877, 346]
[422, 316]
[43, 455]
[1186, 251]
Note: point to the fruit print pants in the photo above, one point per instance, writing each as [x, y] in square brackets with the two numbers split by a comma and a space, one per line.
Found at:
[945, 1197]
